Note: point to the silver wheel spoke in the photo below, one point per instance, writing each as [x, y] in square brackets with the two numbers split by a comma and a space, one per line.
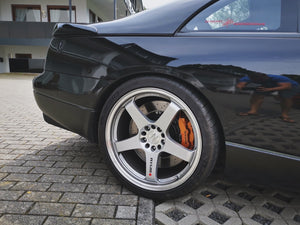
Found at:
[137, 116]
[166, 118]
[128, 144]
[151, 166]
[178, 150]
[139, 138]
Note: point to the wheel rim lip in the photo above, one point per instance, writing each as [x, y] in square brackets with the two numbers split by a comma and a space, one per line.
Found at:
[120, 163]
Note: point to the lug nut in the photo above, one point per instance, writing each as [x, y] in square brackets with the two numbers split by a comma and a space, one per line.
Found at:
[163, 142]
[153, 127]
[163, 135]
[144, 140]
[147, 145]
[159, 130]
[144, 133]
[153, 148]
[159, 147]
[147, 128]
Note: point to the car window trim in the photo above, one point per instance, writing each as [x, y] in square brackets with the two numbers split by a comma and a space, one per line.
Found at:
[240, 34]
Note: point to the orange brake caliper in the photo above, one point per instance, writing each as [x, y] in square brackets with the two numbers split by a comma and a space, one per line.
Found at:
[186, 132]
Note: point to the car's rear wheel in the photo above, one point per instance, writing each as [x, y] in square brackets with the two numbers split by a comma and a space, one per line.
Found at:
[159, 137]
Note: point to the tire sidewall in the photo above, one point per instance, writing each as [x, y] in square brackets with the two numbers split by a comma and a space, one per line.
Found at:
[197, 105]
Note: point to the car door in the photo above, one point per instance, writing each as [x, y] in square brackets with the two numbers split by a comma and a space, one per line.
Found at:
[227, 41]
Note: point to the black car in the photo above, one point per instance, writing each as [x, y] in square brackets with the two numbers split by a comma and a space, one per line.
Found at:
[174, 92]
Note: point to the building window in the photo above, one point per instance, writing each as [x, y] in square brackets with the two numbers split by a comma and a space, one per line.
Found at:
[60, 13]
[26, 13]
[93, 18]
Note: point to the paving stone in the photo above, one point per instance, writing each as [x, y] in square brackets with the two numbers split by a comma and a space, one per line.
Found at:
[291, 222]
[23, 152]
[31, 186]
[99, 211]
[111, 199]
[163, 219]
[41, 196]
[113, 222]
[15, 162]
[249, 221]
[102, 172]
[78, 172]
[90, 180]
[77, 152]
[112, 180]
[4, 185]
[283, 197]
[289, 213]
[8, 157]
[22, 177]
[188, 220]
[126, 212]
[103, 188]
[10, 195]
[46, 170]
[68, 164]
[68, 187]
[247, 211]
[15, 207]
[80, 198]
[56, 178]
[39, 163]
[93, 165]
[2, 175]
[51, 152]
[21, 220]
[92, 158]
[59, 158]
[55, 209]
[66, 221]
[145, 211]
[19, 146]
[15, 169]
[125, 191]
[5, 151]
[32, 157]
[208, 221]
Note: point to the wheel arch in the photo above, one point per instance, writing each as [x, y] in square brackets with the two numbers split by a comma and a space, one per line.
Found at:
[183, 78]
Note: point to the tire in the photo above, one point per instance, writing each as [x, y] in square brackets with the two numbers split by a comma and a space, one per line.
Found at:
[143, 141]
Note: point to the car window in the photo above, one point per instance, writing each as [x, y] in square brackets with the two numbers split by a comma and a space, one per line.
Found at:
[238, 15]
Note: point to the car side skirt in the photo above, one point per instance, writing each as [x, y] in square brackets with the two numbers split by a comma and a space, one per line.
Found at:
[264, 166]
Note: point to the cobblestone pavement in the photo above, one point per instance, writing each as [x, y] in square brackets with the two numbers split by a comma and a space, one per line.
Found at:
[52, 176]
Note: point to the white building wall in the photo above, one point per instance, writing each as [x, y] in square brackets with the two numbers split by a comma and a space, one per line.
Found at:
[6, 52]
[3, 64]
[103, 9]
[82, 15]
[38, 52]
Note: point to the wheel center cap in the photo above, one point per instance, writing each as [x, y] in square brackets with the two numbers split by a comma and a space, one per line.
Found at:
[154, 137]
